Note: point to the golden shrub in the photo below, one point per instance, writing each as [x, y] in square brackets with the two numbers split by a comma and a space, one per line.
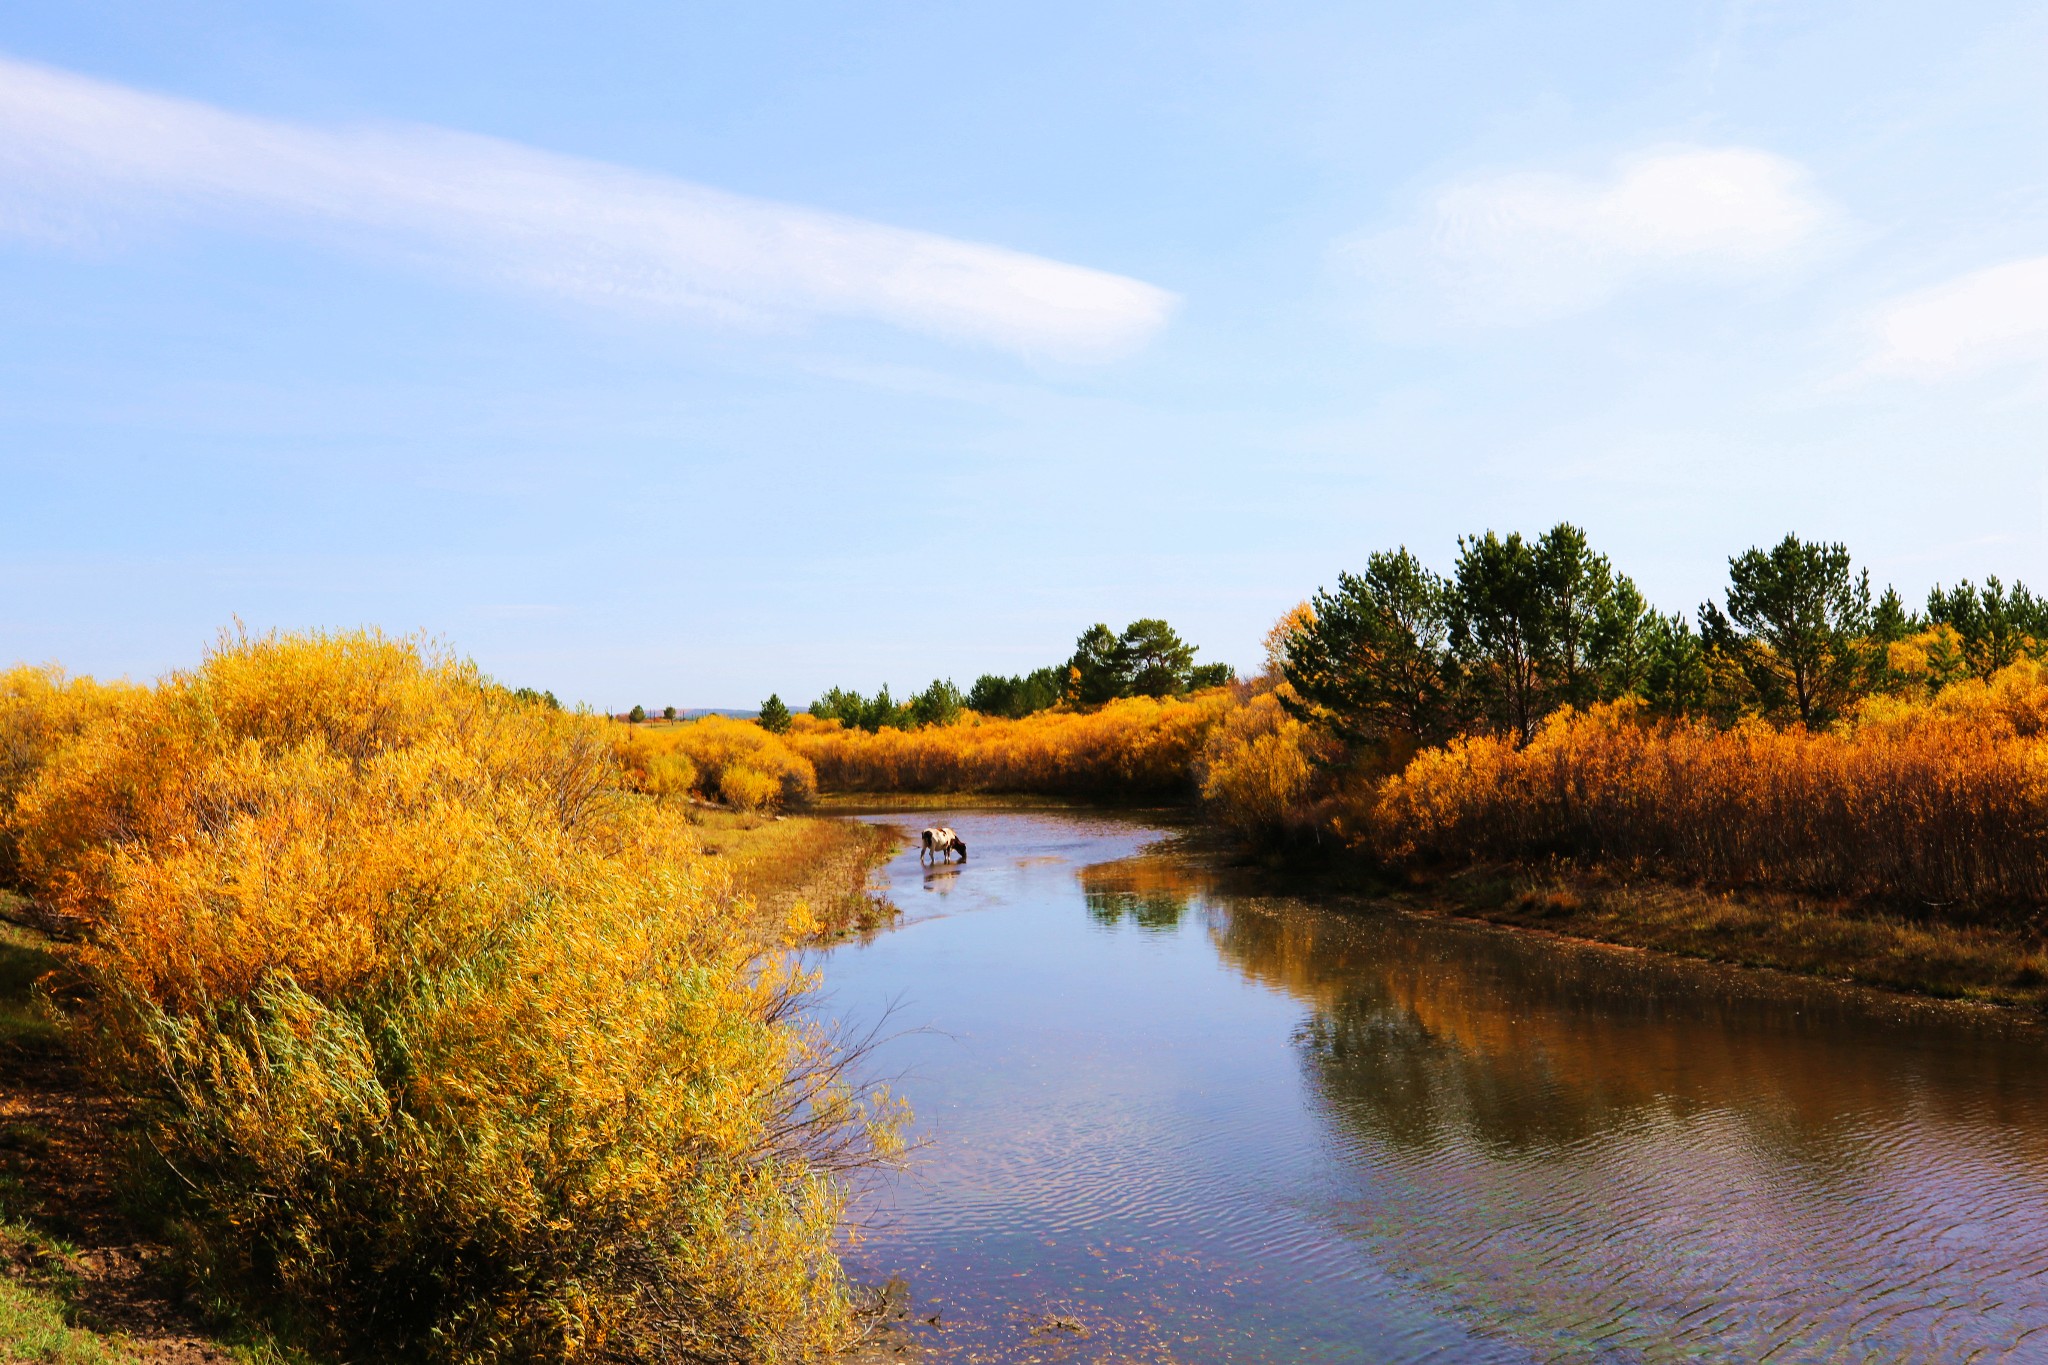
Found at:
[41, 710]
[1926, 662]
[457, 1050]
[706, 749]
[1139, 746]
[1258, 765]
[746, 788]
[1941, 801]
[669, 774]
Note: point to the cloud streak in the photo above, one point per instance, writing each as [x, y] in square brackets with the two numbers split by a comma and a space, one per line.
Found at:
[1531, 247]
[80, 157]
[1990, 317]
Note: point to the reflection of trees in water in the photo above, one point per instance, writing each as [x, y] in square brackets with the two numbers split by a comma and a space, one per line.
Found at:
[1574, 1145]
[1420, 1028]
[1152, 892]
[1423, 1030]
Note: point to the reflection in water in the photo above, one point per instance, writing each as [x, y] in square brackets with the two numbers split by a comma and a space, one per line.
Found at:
[1261, 1130]
[1150, 893]
[1599, 1149]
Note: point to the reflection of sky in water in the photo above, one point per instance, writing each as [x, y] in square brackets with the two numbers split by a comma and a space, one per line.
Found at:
[1214, 1127]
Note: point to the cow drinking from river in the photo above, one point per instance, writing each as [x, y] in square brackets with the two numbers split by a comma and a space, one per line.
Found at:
[941, 842]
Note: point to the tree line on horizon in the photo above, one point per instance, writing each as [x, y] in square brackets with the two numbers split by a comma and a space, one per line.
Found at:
[1520, 628]
[1147, 659]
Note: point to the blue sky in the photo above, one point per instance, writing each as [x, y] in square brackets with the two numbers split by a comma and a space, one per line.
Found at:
[674, 354]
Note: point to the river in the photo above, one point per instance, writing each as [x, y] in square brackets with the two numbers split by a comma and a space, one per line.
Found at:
[1167, 1120]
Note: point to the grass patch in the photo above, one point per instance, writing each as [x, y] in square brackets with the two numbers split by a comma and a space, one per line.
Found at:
[41, 1319]
[1841, 941]
[26, 1020]
[35, 1326]
[821, 861]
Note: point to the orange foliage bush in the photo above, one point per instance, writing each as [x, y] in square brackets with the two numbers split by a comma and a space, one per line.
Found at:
[455, 1048]
[1139, 746]
[1942, 800]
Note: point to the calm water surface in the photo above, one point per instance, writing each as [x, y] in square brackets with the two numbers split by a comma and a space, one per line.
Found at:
[1200, 1125]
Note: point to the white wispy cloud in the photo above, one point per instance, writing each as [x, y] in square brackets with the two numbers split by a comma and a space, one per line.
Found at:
[1988, 317]
[82, 157]
[1528, 247]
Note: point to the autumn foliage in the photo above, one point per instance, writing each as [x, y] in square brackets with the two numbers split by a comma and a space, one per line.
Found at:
[1259, 767]
[734, 762]
[1130, 748]
[444, 1044]
[41, 710]
[1940, 801]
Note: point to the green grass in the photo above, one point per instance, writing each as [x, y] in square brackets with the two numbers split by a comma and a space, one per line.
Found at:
[26, 1021]
[35, 1326]
[38, 1292]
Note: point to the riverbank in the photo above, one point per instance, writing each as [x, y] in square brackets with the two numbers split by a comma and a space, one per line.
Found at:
[824, 862]
[1901, 845]
[1996, 962]
[1837, 940]
[1993, 963]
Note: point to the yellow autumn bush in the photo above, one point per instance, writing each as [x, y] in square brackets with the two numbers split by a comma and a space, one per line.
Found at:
[1941, 801]
[745, 788]
[1926, 661]
[1134, 747]
[445, 1046]
[1258, 766]
[42, 709]
[735, 761]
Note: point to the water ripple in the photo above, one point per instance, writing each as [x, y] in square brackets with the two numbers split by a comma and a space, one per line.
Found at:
[1208, 1127]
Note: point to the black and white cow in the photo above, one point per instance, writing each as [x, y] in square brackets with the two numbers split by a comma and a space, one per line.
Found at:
[940, 842]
